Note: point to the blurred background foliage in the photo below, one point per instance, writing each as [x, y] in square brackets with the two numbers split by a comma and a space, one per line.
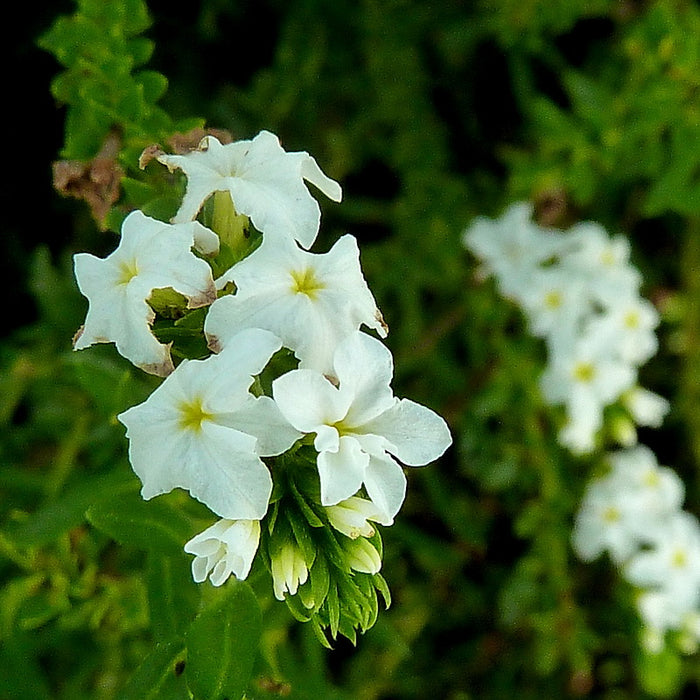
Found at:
[428, 113]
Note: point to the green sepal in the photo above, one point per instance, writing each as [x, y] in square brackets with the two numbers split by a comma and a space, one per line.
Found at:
[302, 536]
[305, 507]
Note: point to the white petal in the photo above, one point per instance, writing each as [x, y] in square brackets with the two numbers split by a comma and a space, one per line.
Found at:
[313, 174]
[417, 434]
[341, 472]
[262, 418]
[308, 400]
[386, 486]
[364, 367]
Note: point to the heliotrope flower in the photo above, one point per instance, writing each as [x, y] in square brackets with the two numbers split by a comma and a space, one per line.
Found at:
[151, 255]
[311, 301]
[265, 183]
[203, 431]
[360, 426]
[227, 547]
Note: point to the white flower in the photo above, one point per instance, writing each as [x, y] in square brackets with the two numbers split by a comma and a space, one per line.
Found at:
[628, 507]
[607, 521]
[202, 431]
[585, 378]
[227, 547]
[627, 328]
[646, 407]
[605, 261]
[352, 516]
[657, 491]
[360, 555]
[512, 247]
[151, 255]
[265, 183]
[310, 301]
[359, 424]
[662, 612]
[289, 571]
[556, 303]
[672, 565]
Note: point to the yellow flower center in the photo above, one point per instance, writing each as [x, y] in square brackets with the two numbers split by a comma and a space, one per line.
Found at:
[651, 479]
[584, 372]
[305, 282]
[679, 559]
[552, 299]
[607, 257]
[611, 514]
[128, 269]
[632, 319]
[192, 415]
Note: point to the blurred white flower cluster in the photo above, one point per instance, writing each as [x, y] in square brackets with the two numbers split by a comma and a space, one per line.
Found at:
[286, 418]
[634, 514]
[581, 294]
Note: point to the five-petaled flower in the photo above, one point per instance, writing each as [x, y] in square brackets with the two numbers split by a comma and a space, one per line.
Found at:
[151, 255]
[203, 431]
[311, 301]
[360, 426]
[265, 183]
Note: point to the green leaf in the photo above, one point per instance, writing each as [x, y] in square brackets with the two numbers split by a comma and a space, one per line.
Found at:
[173, 596]
[48, 523]
[153, 526]
[160, 675]
[661, 675]
[222, 644]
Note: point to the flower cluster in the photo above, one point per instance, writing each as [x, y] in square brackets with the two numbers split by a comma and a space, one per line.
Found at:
[275, 410]
[581, 294]
[633, 513]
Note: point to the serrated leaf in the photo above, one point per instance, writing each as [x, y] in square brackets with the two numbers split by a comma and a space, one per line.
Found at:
[222, 644]
[153, 83]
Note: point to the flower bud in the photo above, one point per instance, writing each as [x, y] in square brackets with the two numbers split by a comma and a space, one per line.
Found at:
[352, 516]
[289, 570]
[227, 547]
[360, 555]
